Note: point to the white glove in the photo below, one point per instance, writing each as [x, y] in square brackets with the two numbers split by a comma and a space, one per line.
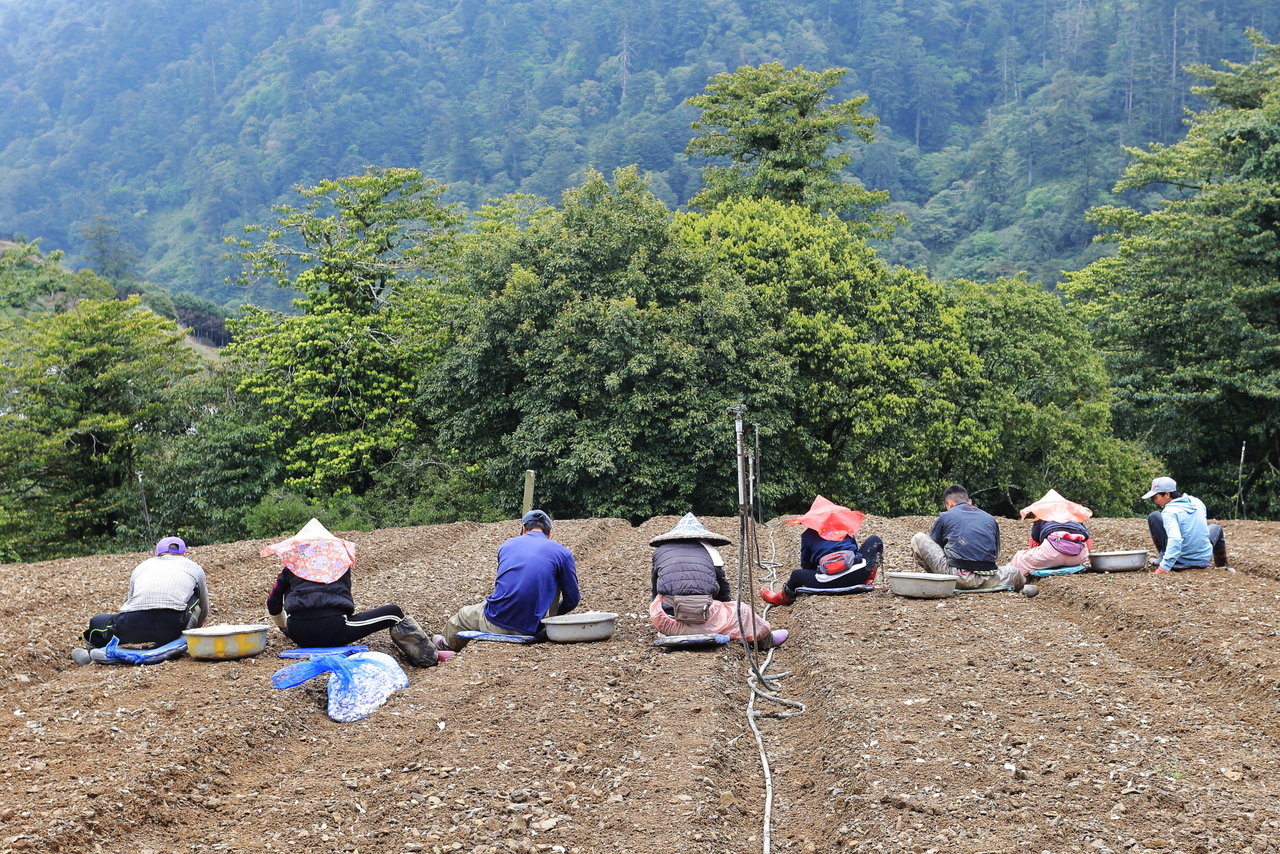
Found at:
[281, 620]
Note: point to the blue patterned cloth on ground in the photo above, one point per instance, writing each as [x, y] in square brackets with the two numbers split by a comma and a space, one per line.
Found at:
[691, 640]
[1057, 570]
[488, 636]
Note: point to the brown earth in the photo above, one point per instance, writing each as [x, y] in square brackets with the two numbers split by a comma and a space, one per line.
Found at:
[1122, 712]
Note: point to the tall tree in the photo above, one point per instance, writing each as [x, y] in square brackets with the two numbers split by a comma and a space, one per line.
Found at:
[107, 252]
[83, 390]
[335, 384]
[880, 364]
[777, 129]
[602, 352]
[1186, 310]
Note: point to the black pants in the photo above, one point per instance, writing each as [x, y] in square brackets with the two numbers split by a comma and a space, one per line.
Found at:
[157, 626]
[872, 551]
[342, 629]
[1155, 524]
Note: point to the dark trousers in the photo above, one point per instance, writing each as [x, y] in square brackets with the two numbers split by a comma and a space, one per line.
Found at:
[872, 550]
[342, 629]
[1155, 524]
[157, 626]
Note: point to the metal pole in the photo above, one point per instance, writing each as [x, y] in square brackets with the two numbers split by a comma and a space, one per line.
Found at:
[737, 411]
[527, 504]
[146, 514]
[1240, 483]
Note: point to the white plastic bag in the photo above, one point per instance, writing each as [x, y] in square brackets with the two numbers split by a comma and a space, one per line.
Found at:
[359, 684]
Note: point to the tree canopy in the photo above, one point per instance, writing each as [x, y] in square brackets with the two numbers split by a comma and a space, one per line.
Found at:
[1186, 310]
[83, 390]
[776, 129]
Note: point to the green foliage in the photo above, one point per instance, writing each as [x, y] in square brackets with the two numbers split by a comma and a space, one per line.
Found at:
[602, 353]
[189, 496]
[1186, 311]
[105, 251]
[335, 385]
[1048, 397]
[83, 391]
[31, 282]
[361, 237]
[878, 358]
[776, 128]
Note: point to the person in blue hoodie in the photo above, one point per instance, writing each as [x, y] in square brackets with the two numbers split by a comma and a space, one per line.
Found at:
[1181, 531]
[536, 578]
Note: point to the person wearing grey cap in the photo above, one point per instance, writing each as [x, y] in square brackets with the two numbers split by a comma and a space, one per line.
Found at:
[1181, 531]
[536, 578]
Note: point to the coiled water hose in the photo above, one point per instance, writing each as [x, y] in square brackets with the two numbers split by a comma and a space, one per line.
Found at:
[757, 681]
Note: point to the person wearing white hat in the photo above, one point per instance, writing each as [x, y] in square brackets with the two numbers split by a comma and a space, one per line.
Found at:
[1181, 531]
[167, 595]
[691, 594]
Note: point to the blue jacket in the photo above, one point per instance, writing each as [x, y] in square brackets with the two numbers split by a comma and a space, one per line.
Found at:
[1187, 525]
[532, 569]
[970, 538]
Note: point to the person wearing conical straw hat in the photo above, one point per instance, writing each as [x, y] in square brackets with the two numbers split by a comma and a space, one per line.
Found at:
[311, 600]
[1058, 535]
[830, 559]
[691, 594]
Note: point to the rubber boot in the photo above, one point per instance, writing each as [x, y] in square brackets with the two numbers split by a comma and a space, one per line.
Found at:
[414, 643]
[776, 597]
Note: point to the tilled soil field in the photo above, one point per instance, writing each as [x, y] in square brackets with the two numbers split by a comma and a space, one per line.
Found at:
[1122, 712]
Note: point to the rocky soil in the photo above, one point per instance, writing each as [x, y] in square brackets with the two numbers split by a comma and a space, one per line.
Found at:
[1122, 712]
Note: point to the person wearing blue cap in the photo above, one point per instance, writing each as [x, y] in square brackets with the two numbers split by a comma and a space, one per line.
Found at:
[1181, 531]
[536, 578]
[167, 595]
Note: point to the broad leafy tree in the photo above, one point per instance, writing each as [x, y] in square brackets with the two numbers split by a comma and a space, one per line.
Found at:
[1186, 310]
[880, 366]
[32, 282]
[601, 352]
[1048, 398]
[777, 129]
[83, 392]
[335, 385]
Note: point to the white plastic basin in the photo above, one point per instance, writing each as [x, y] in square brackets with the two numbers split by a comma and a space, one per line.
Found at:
[574, 628]
[922, 585]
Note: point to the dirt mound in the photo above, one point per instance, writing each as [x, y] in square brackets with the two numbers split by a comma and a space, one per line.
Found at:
[1123, 712]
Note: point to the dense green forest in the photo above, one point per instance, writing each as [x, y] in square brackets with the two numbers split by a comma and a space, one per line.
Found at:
[1001, 121]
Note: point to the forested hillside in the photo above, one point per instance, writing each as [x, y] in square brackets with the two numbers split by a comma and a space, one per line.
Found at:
[1001, 121]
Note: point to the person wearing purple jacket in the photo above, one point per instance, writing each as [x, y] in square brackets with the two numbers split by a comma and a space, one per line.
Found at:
[536, 578]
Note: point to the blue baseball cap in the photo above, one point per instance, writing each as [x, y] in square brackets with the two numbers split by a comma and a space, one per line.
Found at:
[536, 516]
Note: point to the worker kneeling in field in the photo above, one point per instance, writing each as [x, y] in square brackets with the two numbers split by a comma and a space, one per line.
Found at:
[965, 542]
[1058, 535]
[1181, 531]
[167, 595]
[312, 604]
[690, 590]
[536, 578]
[830, 559]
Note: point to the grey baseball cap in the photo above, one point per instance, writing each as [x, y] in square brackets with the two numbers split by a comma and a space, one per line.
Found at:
[1162, 484]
